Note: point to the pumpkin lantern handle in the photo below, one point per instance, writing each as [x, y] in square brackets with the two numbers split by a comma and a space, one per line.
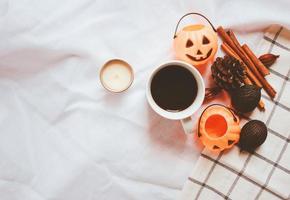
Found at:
[193, 13]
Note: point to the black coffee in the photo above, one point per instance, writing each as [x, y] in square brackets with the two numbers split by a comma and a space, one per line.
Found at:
[174, 88]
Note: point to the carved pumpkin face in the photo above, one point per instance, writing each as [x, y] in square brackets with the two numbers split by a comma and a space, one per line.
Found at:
[196, 44]
[218, 128]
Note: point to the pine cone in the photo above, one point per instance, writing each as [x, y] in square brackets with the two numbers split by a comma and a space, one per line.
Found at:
[228, 73]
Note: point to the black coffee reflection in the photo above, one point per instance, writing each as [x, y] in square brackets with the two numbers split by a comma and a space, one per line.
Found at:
[174, 88]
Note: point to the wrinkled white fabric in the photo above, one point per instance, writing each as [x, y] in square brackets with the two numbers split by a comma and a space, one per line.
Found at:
[62, 136]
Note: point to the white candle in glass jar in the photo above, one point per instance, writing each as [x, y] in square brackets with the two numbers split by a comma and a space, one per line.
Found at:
[116, 75]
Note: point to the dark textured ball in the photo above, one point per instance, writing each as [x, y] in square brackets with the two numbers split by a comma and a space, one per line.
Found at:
[246, 98]
[253, 134]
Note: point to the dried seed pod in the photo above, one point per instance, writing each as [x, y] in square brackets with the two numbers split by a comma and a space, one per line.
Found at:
[246, 98]
[210, 93]
[253, 134]
[268, 59]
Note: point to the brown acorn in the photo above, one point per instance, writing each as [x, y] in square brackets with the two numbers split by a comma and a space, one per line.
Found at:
[253, 134]
[246, 98]
[268, 59]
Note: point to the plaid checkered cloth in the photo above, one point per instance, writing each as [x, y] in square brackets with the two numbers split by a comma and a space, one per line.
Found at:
[264, 174]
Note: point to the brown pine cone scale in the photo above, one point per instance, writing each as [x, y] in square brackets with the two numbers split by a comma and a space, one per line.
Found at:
[228, 73]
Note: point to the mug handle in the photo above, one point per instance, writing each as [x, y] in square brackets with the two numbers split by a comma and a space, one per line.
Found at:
[187, 125]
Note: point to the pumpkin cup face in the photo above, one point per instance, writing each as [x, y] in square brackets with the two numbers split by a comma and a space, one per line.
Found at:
[196, 44]
[218, 128]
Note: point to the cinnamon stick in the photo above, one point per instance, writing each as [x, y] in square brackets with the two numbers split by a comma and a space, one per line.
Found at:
[259, 65]
[268, 88]
[232, 41]
[229, 51]
[261, 105]
[241, 51]
[247, 81]
[226, 38]
[234, 45]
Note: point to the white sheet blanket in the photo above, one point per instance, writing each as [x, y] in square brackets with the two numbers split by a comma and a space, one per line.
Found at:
[62, 136]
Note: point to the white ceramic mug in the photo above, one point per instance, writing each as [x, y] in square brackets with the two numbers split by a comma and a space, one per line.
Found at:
[185, 115]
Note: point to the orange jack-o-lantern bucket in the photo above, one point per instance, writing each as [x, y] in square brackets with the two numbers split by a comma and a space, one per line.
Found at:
[218, 127]
[196, 44]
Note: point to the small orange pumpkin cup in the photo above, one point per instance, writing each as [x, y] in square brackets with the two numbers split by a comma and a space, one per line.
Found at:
[196, 44]
[218, 128]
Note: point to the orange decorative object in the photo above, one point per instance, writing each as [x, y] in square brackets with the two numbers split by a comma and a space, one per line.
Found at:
[218, 127]
[196, 44]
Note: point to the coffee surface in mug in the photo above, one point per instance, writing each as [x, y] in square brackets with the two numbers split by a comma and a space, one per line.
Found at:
[174, 88]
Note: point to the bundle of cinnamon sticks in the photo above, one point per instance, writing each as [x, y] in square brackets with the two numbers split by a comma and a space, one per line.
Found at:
[256, 71]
